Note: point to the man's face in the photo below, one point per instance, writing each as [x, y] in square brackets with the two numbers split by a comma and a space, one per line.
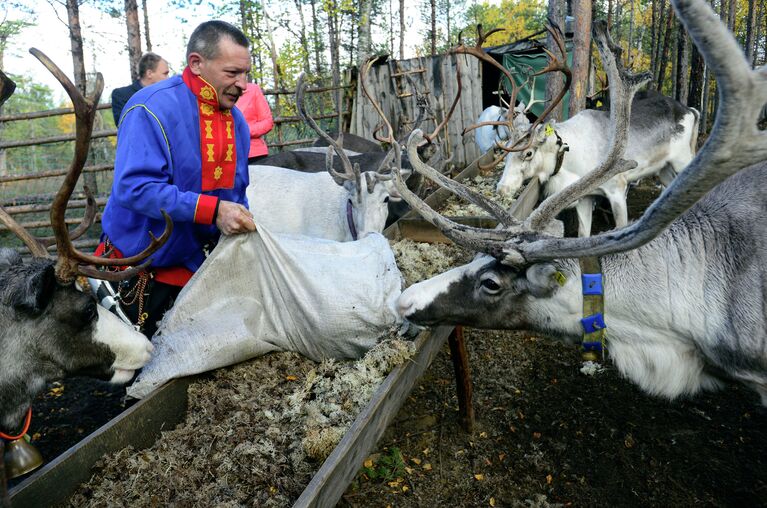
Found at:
[227, 72]
[158, 74]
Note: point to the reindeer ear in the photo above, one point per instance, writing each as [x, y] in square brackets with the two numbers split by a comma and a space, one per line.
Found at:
[8, 258]
[32, 292]
[543, 279]
[543, 131]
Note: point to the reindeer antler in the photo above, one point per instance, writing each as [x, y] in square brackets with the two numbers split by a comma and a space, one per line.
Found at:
[555, 65]
[351, 172]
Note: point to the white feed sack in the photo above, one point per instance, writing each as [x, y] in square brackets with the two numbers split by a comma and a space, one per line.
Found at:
[265, 292]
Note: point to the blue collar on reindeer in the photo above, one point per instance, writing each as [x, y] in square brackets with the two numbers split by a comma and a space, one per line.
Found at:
[350, 219]
[593, 323]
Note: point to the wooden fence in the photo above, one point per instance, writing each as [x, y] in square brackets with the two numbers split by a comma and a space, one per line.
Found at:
[434, 77]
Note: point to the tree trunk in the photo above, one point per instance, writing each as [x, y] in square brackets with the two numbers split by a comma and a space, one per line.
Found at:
[146, 26]
[663, 60]
[554, 80]
[610, 15]
[696, 79]
[364, 46]
[731, 15]
[302, 37]
[134, 37]
[317, 40]
[581, 55]
[391, 29]
[750, 30]
[433, 34]
[401, 29]
[3, 155]
[704, 102]
[76, 41]
[683, 57]
[654, 26]
[631, 35]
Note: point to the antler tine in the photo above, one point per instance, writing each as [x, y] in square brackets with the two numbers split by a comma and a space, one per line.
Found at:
[555, 64]
[456, 188]
[389, 138]
[734, 144]
[349, 173]
[624, 86]
[69, 258]
[36, 248]
[484, 240]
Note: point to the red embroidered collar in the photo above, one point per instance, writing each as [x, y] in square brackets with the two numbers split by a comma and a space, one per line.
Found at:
[217, 135]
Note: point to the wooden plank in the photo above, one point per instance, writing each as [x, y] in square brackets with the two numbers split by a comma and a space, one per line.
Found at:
[420, 230]
[138, 426]
[330, 482]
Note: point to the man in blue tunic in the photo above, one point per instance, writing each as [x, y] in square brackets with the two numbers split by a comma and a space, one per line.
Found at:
[183, 148]
[151, 69]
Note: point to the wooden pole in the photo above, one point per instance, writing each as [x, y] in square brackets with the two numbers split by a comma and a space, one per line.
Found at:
[463, 384]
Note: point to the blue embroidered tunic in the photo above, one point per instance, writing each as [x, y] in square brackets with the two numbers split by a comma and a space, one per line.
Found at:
[159, 166]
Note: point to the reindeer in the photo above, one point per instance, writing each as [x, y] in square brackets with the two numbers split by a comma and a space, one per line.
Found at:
[662, 139]
[683, 287]
[335, 205]
[50, 328]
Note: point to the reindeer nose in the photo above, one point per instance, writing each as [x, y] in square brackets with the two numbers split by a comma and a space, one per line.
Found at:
[405, 304]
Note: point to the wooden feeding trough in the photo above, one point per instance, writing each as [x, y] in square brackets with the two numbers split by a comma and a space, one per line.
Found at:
[140, 425]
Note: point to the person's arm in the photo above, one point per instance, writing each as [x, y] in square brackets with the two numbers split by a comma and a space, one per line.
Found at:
[143, 174]
[261, 121]
[117, 105]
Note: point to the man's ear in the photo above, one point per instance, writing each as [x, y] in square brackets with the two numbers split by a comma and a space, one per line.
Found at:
[194, 60]
[33, 293]
[544, 279]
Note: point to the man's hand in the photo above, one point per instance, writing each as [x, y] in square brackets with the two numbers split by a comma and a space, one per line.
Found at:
[233, 218]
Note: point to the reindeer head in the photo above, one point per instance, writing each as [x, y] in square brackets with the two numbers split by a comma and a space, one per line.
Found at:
[538, 159]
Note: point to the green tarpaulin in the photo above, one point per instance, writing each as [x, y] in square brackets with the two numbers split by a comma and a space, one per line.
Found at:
[520, 65]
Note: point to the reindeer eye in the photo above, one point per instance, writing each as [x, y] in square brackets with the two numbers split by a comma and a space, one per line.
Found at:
[528, 154]
[490, 284]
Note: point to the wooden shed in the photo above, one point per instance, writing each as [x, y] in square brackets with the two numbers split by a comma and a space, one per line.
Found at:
[436, 78]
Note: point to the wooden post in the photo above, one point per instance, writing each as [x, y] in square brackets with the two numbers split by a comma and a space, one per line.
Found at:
[462, 378]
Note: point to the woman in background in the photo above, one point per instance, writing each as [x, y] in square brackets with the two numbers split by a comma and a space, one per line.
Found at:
[256, 110]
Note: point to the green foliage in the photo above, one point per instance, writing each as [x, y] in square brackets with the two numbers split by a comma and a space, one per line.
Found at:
[388, 466]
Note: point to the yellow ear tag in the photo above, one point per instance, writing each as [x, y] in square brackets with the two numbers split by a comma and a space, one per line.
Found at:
[599, 104]
[560, 278]
[549, 130]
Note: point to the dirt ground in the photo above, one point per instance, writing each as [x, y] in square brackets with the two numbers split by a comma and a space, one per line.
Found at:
[546, 435]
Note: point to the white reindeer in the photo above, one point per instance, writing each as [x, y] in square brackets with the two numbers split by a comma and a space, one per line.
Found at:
[663, 134]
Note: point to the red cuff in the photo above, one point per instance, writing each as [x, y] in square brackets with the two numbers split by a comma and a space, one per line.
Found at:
[205, 211]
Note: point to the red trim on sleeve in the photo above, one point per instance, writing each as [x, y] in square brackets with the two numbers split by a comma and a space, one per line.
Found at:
[205, 210]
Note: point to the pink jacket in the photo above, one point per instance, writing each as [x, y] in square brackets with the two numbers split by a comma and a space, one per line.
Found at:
[256, 110]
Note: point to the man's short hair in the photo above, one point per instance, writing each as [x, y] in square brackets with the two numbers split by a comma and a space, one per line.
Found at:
[204, 40]
[148, 62]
